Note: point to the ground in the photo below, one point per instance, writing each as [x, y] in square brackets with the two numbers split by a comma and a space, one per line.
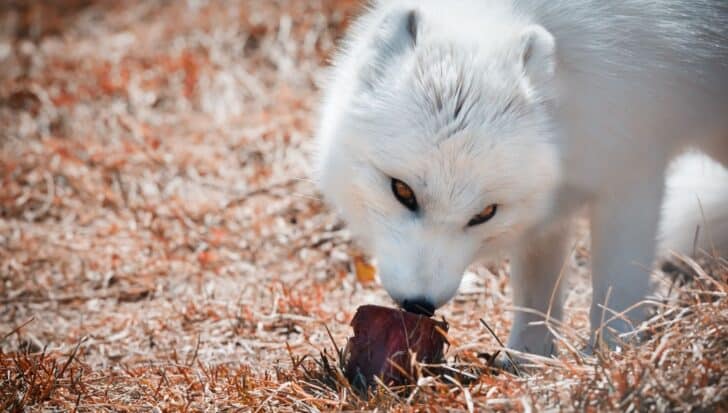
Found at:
[163, 248]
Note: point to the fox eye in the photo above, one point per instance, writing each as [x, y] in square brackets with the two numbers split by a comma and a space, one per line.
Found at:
[404, 194]
[484, 216]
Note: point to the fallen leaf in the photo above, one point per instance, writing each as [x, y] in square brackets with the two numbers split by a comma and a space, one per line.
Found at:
[206, 258]
[365, 272]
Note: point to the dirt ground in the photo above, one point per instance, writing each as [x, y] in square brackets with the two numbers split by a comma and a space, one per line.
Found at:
[162, 247]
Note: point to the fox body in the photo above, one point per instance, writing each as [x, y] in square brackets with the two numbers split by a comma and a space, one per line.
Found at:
[451, 131]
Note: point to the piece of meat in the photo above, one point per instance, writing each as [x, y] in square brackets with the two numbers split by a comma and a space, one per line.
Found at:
[382, 343]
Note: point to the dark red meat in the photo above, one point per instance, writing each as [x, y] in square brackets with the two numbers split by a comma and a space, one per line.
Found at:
[382, 343]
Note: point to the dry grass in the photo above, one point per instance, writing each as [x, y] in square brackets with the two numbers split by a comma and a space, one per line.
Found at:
[161, 248]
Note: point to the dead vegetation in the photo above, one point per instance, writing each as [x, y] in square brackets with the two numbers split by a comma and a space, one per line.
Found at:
[162, 249]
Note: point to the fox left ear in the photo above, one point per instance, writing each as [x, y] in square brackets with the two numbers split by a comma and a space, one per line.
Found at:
[537, 58]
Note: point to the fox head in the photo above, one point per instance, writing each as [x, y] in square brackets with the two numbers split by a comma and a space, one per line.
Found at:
[438, 150]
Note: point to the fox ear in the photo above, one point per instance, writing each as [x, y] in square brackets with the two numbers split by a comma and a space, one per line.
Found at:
[537, 57]
[395, 35]
[398, 30]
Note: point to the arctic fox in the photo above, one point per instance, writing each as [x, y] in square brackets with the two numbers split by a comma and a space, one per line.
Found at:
[453, 129]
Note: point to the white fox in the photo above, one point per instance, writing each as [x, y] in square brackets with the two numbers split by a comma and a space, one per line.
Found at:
[453, 129]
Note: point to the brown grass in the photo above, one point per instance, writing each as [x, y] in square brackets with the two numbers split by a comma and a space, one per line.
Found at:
[162, 249]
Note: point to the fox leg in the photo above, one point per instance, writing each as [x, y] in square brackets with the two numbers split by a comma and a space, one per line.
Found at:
[535, 270]
[623, 231]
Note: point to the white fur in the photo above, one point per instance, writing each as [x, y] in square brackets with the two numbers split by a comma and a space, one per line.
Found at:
[541, 107]
[695, 211]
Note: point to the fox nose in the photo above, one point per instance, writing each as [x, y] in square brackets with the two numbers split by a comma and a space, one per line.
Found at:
[420, 306]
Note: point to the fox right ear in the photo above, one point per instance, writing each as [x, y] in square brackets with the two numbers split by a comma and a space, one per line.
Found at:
[398, 30]
[395, 35]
